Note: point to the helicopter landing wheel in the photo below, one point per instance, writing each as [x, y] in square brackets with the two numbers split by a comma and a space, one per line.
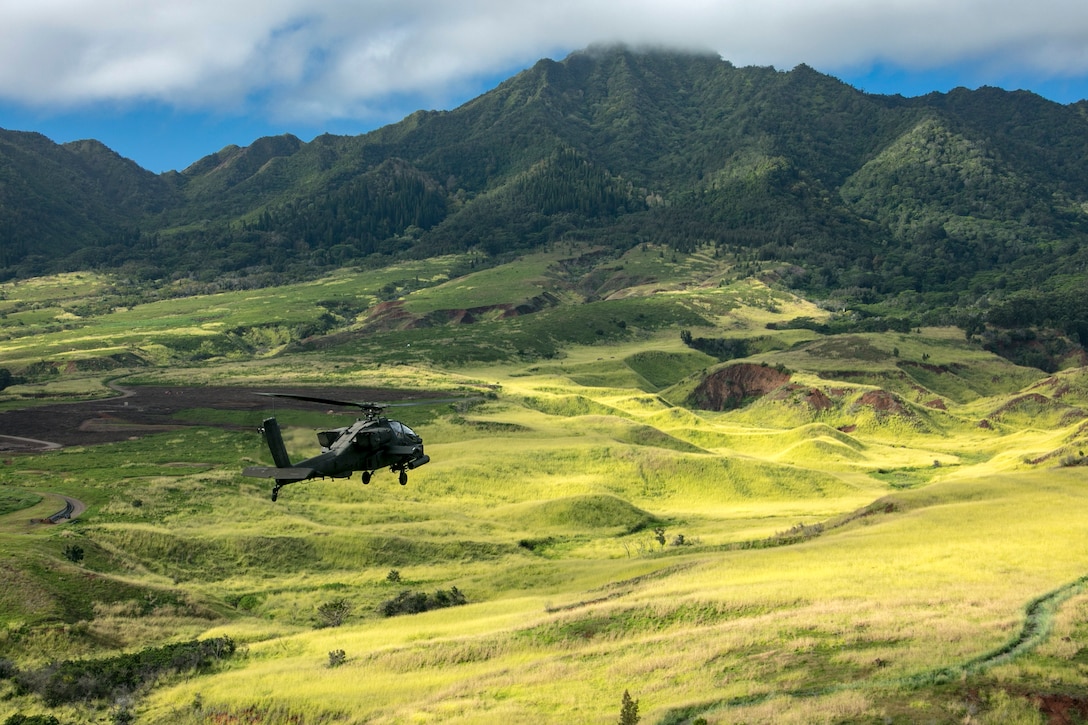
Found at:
[366, 477]
[403, 477]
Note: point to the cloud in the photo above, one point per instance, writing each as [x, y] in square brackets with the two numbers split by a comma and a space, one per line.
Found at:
[327, 59]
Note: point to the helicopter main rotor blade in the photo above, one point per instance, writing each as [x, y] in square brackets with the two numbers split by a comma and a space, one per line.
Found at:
[426, 401]
[324, 401]
[368, 406]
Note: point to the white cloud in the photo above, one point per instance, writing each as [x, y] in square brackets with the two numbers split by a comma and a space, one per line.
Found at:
[322, 59]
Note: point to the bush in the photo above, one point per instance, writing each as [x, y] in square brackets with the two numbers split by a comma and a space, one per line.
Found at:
[333, 614]
[18, 719]
[408, 602]
[337, 657]
[109, 678]
[73, 553]
[1074, 460]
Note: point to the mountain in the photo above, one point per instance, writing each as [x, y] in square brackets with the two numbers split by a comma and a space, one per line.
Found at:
[59, 205]
[932, 201]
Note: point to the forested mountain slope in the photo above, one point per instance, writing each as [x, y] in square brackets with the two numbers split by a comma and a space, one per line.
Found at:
[946, 197]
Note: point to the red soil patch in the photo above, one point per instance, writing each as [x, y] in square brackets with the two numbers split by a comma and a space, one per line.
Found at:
[1022, 401]
[818, 400]
[733, 386]
[882, 401]
[389, 316]
[1062, 709]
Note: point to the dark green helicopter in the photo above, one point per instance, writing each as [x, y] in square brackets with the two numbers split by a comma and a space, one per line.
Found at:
[371, 442]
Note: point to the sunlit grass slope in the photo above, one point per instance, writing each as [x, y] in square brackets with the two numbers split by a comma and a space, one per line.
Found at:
[865, 622]
[893, 534]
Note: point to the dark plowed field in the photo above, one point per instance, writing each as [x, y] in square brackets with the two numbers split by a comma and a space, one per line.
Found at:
[147, 409]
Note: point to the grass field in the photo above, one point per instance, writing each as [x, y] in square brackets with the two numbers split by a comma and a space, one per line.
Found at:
[875, 557]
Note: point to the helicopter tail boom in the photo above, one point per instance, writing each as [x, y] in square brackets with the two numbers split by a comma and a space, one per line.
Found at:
[282, 475]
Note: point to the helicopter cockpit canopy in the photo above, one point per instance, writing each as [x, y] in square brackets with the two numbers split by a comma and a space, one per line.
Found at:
[404, 431]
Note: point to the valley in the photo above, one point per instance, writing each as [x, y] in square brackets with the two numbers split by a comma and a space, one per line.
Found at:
[862, 526]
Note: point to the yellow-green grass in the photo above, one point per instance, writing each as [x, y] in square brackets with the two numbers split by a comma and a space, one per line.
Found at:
[850, 619]
[144, 328]
[512, 283]
[557, 505]
[56, 288]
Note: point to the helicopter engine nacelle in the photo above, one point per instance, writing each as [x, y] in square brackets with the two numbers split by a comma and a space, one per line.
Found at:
[327, 437]
[373, 439]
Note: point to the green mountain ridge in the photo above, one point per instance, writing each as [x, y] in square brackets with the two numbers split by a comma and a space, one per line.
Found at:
[863, 197]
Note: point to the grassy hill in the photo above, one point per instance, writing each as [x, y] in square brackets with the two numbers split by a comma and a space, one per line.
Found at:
[882, 527]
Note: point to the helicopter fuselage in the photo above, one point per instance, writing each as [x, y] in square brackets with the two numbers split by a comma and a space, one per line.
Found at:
[366, 445]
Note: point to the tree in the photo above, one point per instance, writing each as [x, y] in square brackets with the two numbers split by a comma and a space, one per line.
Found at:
[333, 614]
[629, 710]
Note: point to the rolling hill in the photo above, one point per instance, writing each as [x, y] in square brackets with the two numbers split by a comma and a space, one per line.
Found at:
[853, 526]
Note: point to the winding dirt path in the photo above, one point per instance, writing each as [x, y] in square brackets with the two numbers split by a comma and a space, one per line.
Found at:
[15, 442]
[73, 507]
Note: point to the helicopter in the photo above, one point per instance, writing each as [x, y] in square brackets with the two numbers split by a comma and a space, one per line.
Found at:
[371, 442]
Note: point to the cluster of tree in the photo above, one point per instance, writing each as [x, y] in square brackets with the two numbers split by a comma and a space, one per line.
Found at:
[842, 324]
[73, 681]
[409, 602]
[1061, 309]
[721, 348]
[354, 220]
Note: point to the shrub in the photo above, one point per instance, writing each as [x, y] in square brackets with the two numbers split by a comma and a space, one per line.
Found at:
[333, 614]
[337, 657]
[408, 602]
[18, 719]
[73, 553]
[101, 679]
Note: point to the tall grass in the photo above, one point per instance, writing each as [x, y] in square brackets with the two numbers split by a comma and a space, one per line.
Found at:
[772, 564]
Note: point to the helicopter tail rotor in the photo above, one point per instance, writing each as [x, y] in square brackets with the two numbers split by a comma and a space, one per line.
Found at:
[272, 435]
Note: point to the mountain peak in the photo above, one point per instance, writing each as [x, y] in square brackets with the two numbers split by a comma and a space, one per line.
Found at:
[613, 145]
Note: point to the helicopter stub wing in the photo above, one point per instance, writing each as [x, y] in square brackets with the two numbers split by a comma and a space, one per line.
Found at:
[280, 474]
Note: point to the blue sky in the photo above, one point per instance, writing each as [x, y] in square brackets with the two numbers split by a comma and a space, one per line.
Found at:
[166, 83]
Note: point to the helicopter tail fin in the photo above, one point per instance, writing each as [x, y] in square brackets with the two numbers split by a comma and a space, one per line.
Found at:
[274, 438]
